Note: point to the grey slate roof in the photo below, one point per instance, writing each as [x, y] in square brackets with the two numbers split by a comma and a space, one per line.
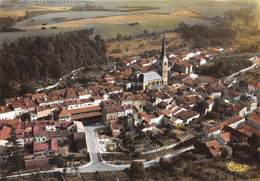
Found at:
[151, 76]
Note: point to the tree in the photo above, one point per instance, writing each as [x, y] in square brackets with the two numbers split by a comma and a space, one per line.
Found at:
[118, 36]
[26, 88]
[137, 169]
[59, 161]
[254, 140]
[201, 107]
[15, 160]
[37, 177]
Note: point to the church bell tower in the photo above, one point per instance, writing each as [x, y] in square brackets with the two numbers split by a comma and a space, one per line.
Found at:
[163, 65]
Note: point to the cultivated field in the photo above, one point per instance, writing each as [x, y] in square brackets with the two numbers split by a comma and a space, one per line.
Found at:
[120, 49]
[125, 19]
[108, 18]
[21, 12]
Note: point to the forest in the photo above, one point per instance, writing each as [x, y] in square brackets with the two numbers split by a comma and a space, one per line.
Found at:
[202, 36]
[50, 57]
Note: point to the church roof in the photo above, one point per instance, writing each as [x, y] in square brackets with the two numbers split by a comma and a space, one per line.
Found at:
[150, 76]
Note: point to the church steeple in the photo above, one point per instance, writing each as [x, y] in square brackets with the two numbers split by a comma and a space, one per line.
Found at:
[164, 67]
[163, 51]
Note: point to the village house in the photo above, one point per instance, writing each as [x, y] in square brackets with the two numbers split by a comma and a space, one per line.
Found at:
[47, 149]
[192, 55]
[115, 127]
[83, 103]
[254, 121]
[130, 61]
[182, 67]
[85, 114]
[132, 99]
[84, 93]
[41, 112]
[109, 79]
[7, 113]
[198, 61]
[147, 61]
[149, 119]
[112, 90]
[214, 148]
[112, 112]
[254, 87]
[187, 116]
[224, 138]
[233, 122]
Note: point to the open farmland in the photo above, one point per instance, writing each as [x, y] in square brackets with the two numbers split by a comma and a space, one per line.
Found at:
[119, 49]
[125, 19]
[109, 19]
[21, 12]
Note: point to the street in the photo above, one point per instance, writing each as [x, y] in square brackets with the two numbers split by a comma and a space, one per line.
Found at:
[96, 163]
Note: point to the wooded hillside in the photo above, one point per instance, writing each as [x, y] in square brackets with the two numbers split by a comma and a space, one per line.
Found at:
[40, 58]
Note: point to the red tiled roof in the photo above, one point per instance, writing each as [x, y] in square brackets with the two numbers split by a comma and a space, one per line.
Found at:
[186, 114]
[65, 113]
[5, 133]
[86, 115]
[37, 130]
[145, 116]
[255, 118]
[214, 144]
[15, 123]
[115, 125]
[214, 147]
[183, 63]
[5, 109]
[224, 123]
[40, 147]
[249, 130]
[84, 110]
[54, 144]
[226, 136]
[19, 133]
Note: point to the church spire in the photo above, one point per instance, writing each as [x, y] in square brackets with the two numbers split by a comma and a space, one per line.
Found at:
[164, 67]
[163, 51]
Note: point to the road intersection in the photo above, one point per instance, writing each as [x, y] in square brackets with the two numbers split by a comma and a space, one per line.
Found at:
[96, 163]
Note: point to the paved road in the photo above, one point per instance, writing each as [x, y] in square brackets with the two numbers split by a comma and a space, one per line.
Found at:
[228, 78]
[176, 153]
[63, 78]
[96, 163]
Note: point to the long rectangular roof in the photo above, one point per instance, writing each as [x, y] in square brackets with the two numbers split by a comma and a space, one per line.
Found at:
[150, 76]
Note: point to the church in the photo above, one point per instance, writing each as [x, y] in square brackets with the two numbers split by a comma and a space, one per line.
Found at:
[154, 80]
